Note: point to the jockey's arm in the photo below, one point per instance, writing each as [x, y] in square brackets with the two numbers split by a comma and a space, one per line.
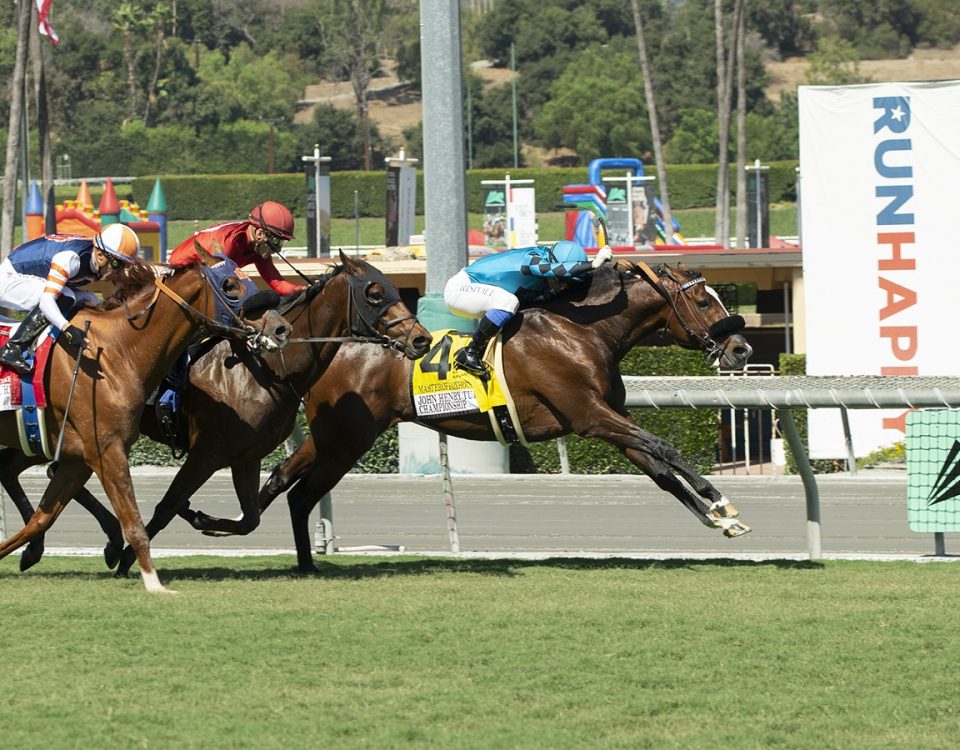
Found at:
[270, 274]
[63, 266]
[547, 270]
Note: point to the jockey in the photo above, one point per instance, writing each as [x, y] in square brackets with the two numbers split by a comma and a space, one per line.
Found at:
[488, 288]
[44, 274]
[267, 227]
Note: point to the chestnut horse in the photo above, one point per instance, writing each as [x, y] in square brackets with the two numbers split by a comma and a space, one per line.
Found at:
[561, 365]
[238, 407]
[128, 350]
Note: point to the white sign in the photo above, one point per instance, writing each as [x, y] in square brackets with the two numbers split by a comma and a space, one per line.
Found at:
[522, 213]
[879, 165]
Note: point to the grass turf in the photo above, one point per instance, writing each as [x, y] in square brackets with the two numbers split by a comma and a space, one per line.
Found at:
[445, 653]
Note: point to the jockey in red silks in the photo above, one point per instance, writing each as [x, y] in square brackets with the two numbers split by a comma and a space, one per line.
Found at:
[267, 227]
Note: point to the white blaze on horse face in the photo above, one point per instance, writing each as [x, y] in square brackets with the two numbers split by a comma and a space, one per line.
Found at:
[712, 292]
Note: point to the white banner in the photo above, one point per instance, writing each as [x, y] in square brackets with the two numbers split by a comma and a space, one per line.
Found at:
[879, 165]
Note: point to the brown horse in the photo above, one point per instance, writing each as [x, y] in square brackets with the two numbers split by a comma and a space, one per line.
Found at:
[128, 350]
[238, 407]
[561, 364]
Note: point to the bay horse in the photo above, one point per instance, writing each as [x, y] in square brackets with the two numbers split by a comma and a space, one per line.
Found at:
[128, 350]
[561, 361]
[237, 406]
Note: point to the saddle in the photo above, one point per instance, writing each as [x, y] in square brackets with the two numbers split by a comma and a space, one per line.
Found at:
[27, 395]
[440, 390]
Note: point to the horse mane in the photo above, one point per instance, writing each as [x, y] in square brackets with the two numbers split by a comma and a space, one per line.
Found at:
[134, 280]
[317, 284]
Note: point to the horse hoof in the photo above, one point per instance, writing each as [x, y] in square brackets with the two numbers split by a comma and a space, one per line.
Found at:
[736, 529]
[111, 554]
[212, 532]
[30, 557]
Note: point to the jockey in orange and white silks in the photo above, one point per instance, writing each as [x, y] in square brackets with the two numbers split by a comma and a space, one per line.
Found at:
[488, 287]
[44, 274]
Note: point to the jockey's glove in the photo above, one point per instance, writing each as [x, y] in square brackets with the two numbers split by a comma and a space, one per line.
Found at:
[73, 336]
[603, 255]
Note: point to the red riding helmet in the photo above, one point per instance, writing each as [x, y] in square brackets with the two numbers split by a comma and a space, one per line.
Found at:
[273, 218]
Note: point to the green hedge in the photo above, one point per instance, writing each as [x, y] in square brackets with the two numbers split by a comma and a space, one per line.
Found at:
[210, 197]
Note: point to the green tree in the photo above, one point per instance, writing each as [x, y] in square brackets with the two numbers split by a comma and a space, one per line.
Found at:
[340, 136]
[596, 108]
[352, 31]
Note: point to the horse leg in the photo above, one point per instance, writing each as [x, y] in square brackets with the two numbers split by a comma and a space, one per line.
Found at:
[655, 456]
[69, 478]
[288, 473]
[12, 464]
[659, 471]
[191, 476]
[246, 482]
[108, 524]
[113, 469]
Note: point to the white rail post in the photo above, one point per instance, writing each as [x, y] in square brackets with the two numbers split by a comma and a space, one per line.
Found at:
[789, 429]
[562, 453]
[448, 496]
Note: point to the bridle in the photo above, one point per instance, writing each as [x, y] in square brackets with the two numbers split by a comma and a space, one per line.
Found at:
[708, 337]
[208, 325]
[364, 316]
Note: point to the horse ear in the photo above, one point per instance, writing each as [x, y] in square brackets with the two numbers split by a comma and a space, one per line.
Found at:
[206, 258]
[350, 264]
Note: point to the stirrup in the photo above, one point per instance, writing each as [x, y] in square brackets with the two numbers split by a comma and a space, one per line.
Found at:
[467, 359]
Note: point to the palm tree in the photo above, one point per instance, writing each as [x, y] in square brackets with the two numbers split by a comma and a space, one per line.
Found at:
[654, 126]
[128, 19]
[13, 129]
[161, 15]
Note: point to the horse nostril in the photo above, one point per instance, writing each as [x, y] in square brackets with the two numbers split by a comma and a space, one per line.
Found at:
[282, 333]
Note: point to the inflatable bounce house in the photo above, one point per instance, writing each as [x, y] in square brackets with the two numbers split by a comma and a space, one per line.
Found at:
[628, 205]
[79, 217]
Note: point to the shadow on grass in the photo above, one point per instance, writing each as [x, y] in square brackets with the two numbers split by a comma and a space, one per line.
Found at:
[171, 569]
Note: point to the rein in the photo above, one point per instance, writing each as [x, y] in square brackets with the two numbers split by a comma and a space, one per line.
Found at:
[211, 325]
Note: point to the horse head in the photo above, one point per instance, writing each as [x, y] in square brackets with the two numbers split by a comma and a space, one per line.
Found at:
[372, 310]
[696, 317]
[239, 305]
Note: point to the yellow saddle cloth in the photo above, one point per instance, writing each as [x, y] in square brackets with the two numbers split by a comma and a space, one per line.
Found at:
[439, 389]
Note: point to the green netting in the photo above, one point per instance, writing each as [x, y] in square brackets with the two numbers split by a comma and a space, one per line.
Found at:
[933, 470]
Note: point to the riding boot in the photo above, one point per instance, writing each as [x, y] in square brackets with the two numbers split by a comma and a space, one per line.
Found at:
[471, 356]
[11, 354]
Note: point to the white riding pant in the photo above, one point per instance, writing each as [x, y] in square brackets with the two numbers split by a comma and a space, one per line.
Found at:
[22, 291]
[471, 300]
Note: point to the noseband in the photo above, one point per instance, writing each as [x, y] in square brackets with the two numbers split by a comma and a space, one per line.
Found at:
[710, 337]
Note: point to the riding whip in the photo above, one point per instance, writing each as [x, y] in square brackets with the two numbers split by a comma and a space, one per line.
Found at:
[66, 409]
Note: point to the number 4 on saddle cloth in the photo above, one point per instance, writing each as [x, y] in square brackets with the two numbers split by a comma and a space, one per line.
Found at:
[440, 390]
[26, 394]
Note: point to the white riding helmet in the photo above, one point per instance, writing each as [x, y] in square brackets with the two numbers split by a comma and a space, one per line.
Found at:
[118, 241]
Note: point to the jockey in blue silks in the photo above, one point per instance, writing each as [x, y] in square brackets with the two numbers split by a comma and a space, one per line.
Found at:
[488, 288]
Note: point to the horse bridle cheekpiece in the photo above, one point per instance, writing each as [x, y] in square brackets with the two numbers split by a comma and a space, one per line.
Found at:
[710, 337]
[363, 312]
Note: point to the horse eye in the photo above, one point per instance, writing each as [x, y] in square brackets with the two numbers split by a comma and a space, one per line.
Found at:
[231, 288]
[375, 294]
[704, 303]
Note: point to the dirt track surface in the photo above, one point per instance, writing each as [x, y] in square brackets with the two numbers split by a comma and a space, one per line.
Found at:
[547, 513]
